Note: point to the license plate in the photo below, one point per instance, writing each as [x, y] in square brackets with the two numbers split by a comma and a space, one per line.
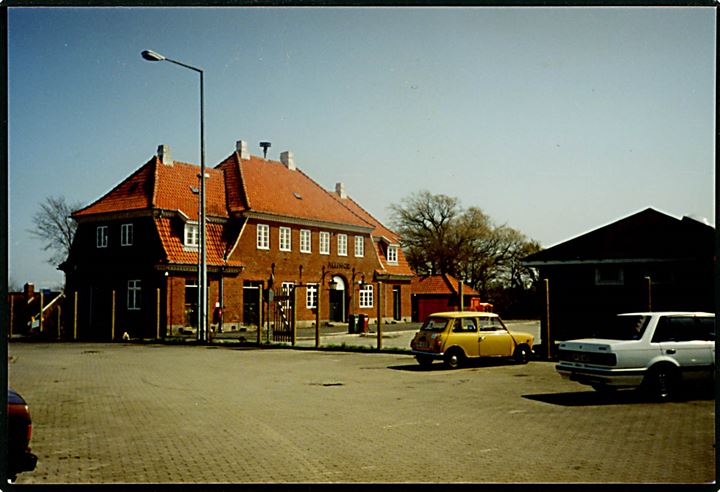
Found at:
[421, 344]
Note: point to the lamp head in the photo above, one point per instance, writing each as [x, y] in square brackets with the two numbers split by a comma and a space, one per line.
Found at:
[150, 55]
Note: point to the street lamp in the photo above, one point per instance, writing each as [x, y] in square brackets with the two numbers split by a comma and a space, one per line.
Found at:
[202, 263]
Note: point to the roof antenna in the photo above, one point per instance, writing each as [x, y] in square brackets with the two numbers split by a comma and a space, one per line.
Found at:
[265, 146]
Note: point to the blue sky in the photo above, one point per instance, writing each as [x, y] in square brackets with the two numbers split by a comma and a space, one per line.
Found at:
[554, 121]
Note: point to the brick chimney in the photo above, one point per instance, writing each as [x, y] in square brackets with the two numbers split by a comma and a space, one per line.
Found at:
[241, 147]
[287, 159]
[163, 153]
[340, 190]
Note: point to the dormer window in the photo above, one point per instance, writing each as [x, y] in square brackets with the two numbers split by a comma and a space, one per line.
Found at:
[191, 235]
[392, 254]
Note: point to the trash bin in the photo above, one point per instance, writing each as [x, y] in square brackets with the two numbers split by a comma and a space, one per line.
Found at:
[362, 324]
[351, 324]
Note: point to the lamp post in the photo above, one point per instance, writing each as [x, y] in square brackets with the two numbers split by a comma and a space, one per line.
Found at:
[202, 333]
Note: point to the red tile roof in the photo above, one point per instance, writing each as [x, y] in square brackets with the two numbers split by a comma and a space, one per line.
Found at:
[134, 193]
[219, 241]
[156, 185]
[270, 187]
[440, 284]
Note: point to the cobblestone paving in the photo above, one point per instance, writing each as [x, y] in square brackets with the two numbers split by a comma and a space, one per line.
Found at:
[127, 413]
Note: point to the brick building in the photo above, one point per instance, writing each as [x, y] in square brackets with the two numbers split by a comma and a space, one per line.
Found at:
[134, 259]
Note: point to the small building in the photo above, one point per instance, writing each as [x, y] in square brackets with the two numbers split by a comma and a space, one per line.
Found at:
[35, 312]
[437, 293]
[646, 261]
[134, 259]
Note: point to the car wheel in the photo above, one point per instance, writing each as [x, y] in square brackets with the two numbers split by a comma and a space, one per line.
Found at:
[424, 361]
[522, 354]
[454, 358]
[661, 383]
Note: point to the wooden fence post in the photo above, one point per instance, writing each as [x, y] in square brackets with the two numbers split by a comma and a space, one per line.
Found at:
[12, 315]
[547, 319]
[379, 316]
[75, 295]
[42, 306]
[317, 315]
[112, 321]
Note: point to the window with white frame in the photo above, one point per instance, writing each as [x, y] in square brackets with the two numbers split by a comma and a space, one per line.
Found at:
[324, 243]
[311, 296]
[392, 254]
[133, 295]
[101, 237]
[126, 235]
[359, 246]
[342, 244]
[366, 296]
[305, 244]
[263, 236]
[191, 235]
[285, 239]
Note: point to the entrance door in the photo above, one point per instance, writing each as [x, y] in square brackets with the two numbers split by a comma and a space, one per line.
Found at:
[337, 300]
[251, 303]
[397, 315]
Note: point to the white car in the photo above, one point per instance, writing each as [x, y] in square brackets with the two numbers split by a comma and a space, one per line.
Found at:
[656, 351]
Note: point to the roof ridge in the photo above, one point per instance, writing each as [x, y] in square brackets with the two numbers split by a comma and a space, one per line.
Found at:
[106, 194]
[339, 200]
[156, 179]
[241, 177]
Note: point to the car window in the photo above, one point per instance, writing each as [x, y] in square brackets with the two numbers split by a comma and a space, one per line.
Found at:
[490, 324]
[434, 324]
[683, 329]
[706, 328]
[465, 325]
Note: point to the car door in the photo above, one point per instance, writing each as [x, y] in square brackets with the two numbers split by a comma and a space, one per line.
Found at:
[494, 339]
[688, 340]
[465, 334]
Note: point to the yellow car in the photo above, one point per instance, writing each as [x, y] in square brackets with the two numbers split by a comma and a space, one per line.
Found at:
[457, 336]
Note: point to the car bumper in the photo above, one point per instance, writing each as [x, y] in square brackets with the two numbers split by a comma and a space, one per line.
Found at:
[609, 377]
[22, 462]
[430, 355]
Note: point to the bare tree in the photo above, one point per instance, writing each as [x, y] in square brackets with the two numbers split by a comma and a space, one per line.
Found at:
[438, 237]
[55, 228]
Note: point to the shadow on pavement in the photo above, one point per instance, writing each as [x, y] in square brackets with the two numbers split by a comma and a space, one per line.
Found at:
[618, 397]
[473, 364]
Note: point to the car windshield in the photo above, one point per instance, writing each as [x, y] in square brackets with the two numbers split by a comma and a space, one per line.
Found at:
[434, 324]
[625, 328]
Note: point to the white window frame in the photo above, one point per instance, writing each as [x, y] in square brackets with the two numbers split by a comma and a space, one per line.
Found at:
[392, 254]
[359, 246]
[285, 238]
[262, 236]
[134, 291]
[342, 244]
[311, 296]
[126, 235]
[324, 246]
[192, 235]
[101, 237]
[305, 241]
[366, 296]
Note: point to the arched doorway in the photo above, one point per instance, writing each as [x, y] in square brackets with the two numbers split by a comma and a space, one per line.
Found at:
[337, 300]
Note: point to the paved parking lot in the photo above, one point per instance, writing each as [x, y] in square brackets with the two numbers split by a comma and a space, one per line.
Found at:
[168, 414]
